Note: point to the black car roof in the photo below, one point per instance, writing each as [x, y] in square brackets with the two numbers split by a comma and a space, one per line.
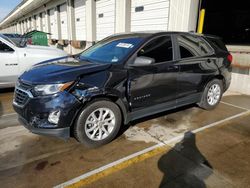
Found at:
[153, 33]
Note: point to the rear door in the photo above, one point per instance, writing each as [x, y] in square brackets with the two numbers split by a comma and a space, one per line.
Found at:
[196, 63]
[156, 83]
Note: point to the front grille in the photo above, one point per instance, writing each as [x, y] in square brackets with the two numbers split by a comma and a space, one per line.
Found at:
[20, 97]
[22, 93]
[25, 86]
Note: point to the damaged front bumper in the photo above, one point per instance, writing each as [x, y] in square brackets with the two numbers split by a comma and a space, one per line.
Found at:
[38, 114]
[57, 132]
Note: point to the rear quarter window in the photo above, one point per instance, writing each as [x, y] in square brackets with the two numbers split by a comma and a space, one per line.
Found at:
[193, 46]
[217, 43]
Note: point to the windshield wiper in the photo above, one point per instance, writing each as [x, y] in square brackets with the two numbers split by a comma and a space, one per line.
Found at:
[82, 58]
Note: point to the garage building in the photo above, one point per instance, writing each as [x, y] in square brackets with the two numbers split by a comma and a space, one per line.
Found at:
[92, 20]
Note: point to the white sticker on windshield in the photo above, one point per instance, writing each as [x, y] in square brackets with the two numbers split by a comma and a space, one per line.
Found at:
[124, 45]
[115, 59]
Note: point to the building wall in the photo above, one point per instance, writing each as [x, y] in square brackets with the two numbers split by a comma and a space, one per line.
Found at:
[105, 17]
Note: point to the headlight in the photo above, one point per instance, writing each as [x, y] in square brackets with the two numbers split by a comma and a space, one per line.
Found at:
[51, 88]
[17, 83]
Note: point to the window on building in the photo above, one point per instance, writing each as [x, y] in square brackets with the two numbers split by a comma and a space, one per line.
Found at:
[159, 49]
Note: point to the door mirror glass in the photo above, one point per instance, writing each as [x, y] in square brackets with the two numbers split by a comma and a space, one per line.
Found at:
[143, 61]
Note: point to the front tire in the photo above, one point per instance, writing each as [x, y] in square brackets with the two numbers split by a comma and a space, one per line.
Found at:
[211, 95]
[98, 123]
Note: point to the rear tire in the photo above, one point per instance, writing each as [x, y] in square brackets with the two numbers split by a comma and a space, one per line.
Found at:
[98, 123]
[211, 95]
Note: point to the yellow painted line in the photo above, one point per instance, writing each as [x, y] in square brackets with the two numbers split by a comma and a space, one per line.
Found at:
[118, 167]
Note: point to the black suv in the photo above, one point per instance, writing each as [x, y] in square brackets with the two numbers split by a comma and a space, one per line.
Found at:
[121, 78]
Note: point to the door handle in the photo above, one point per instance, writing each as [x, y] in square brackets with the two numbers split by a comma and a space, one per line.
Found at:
[174, 67]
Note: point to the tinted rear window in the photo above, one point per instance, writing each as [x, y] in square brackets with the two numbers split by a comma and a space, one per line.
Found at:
[218, 43]
[193, 46]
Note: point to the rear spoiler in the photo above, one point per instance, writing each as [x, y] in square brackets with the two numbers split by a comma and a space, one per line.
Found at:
[216, 41]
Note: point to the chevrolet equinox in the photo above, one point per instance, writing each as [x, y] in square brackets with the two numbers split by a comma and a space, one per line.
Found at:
[119, 79]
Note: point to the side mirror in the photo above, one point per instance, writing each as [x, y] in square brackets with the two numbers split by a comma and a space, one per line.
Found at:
[143, 61]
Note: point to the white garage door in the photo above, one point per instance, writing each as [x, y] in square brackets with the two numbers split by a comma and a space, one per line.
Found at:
[53, 24]
[33, 23]
[149, 15]
[44, 23]
[105, 18]
[38, 24]
[25, 26]
[29, 24]
[21, 27]
[80, 19]
[63, 19]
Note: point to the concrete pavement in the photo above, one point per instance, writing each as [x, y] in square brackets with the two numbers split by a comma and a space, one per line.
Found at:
[214, 157]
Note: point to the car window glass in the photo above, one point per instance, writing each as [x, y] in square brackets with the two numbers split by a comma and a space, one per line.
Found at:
[185, 53]
[5, 48]
[191, 46]
[205, 48]
[111, 50]
[160, 49]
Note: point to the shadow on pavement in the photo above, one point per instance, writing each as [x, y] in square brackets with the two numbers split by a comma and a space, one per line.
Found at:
[184, 165]
[154, 116]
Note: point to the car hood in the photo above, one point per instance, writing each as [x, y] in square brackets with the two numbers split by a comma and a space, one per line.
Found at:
[60, 70]
[45, 50]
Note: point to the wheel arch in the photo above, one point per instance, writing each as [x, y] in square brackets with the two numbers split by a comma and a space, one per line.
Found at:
[218, 76]
[115, 99]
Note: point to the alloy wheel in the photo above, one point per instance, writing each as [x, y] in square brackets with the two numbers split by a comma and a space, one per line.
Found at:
[100, 124]
[213, 95]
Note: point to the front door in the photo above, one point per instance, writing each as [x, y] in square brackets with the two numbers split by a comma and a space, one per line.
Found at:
[154, 84]
[8, 64]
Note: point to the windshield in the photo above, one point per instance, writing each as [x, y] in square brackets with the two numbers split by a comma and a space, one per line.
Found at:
[111, 50]
[18, 41]
[8, 39]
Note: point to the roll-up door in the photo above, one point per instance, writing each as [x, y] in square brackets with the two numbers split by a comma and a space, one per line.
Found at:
[63, 21]
[53, 24]
[33, 23]
[149, 15]
[21, 27]
[38, 24]
[44, 23]
[29, 24]
[105, 18]
[80, 19]
[25, 26]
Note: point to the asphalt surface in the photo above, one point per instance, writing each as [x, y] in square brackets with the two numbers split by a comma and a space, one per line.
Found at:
[197, 148]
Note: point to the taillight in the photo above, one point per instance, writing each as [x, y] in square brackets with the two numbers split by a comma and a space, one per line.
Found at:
[230, 58]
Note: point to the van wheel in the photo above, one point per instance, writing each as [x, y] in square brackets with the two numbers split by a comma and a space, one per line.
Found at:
[98, 123]
[212, 95]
